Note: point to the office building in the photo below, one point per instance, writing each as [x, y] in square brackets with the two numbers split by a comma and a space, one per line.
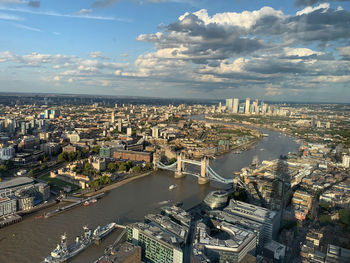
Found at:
[129, 131]
[177, 214]
[337, 254]
[268, 218]
[229, 105]
[7, 188]
[7, 206]
[112, 117]
[7, 153]
[274, 251]
[216, 200]
[223, 216]
[180, 231]
[120, 125]
[235, 105]
[158, 245]
[346, 161]
[247, 106]
[155, 132]
[232, 249]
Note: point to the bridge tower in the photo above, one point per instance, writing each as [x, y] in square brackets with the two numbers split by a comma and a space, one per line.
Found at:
[203, 178]
[155, 161]
[179, 167]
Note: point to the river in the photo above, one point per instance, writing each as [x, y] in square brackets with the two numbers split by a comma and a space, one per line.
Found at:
[33, 239]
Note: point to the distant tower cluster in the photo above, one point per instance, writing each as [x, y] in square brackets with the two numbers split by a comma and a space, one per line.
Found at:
[233, 105]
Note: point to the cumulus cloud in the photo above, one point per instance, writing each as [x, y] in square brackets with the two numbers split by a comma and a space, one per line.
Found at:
[97, 54]
[344, 51]
[272, 91]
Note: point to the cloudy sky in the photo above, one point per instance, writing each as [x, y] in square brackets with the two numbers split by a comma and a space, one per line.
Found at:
[276, 50]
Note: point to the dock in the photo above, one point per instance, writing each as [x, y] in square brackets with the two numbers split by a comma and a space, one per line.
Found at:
[75, 202]
[9, 220]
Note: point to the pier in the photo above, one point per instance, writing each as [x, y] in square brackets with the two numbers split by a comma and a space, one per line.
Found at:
[75, 202]
[9, 220]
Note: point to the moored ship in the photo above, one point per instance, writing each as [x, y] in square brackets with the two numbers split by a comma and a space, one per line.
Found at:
[63, 252]
[101, 231]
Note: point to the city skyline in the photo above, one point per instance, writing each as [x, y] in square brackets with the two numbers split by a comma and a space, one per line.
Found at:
[260, 49]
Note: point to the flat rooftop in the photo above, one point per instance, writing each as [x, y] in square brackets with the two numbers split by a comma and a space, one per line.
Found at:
[159, 234]
[239, 237]
[166, 223]
[178, 213]
[254, 212]
[235, 219]
[15, 182]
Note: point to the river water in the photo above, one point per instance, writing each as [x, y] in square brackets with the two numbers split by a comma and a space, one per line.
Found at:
[33, 239]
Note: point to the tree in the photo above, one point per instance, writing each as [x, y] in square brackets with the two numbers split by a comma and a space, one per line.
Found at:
[172, 160]
[344, 216]
[148, 166]
[122, 167]
[136, 169]
[112, 167]
[3, 168]
[95, 149]
[129, 165]
[325, 219]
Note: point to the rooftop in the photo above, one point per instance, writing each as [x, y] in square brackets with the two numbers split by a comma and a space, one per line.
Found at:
[158, 233]
[18, 181]
[166, 223]
[251, 211]
[239, 237]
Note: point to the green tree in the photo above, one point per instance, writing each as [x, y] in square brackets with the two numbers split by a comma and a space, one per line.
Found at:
[136, 169]
[344, 216]
[3, 168]
[148, 166]
[325, 219]
[172, 160]
[122, 167]
[95, 149]
[112, 167]
[129, 165]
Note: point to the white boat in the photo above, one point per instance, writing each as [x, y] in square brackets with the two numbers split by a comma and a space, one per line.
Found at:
[101, 232]
[171, 187]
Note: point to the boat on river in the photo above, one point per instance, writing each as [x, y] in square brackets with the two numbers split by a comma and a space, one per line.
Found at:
[102, 231]
[63, 252]
[173, 186]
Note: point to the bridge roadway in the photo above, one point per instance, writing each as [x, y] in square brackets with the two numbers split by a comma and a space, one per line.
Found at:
[211, 174]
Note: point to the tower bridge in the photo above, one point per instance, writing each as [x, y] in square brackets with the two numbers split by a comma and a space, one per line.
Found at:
[206, 172]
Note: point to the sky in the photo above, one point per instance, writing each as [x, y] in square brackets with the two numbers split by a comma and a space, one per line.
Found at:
[273, 50]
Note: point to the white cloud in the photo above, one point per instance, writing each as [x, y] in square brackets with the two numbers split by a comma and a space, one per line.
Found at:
[246, 19]
[84, 11]
[310, 9]
[272, 91]
[56, 14]
[10, 17]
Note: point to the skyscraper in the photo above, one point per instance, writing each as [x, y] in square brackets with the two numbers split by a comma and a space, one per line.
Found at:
[247, 105]
[229, 104]
[235, 105]
[112, 118]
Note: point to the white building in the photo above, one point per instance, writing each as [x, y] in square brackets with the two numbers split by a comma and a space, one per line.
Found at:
[346, 161]
[247, 105]
[235, 105]
[7, 153]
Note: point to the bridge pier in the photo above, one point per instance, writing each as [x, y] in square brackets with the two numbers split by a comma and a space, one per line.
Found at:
[180, 167]
[203, 178]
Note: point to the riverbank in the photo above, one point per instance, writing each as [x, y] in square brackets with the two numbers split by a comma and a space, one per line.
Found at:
[118, 184]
